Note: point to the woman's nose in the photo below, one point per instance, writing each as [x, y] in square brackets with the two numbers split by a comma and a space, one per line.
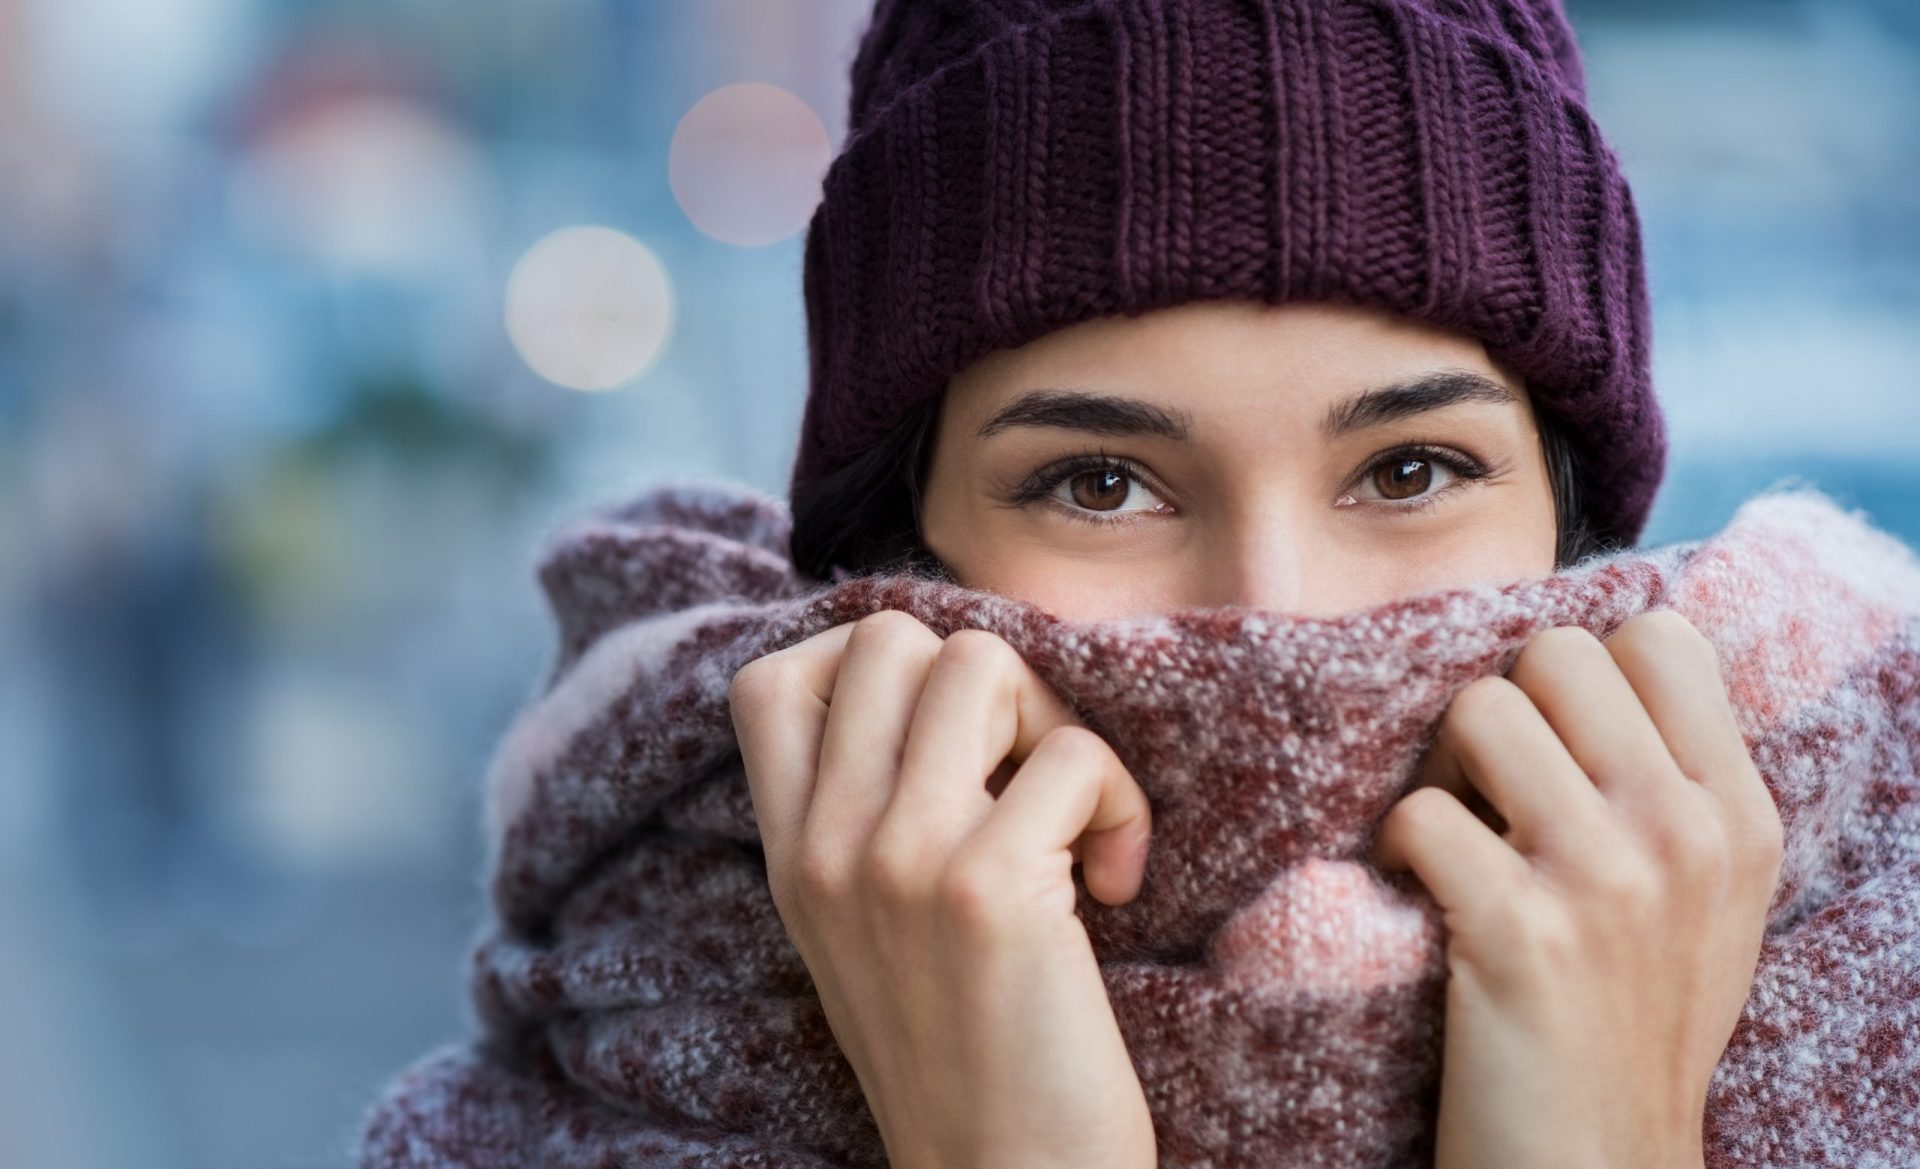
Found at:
[1263, 563]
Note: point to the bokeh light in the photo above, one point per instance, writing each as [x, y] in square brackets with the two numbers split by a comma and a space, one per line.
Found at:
[365, 183]
[589, 307]
[746, 163]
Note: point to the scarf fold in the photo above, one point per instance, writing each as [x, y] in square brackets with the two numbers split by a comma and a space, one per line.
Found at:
[640, 1003]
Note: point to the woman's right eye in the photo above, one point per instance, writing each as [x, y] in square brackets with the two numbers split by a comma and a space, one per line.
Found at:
[1104, 490]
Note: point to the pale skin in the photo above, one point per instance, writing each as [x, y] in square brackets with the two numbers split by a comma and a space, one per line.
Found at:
[1591, 823]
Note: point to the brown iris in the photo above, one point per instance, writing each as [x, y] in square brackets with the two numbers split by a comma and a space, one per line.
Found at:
[1101, 490]
[1403, 478]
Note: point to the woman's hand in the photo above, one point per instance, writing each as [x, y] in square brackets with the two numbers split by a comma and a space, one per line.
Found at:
[1604, 934]
[934, 904]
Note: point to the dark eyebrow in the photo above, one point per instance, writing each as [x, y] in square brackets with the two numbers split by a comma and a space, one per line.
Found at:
[1414, 396]
[1084, 410]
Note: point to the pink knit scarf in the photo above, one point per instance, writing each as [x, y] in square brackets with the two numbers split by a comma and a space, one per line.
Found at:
[641, 1004]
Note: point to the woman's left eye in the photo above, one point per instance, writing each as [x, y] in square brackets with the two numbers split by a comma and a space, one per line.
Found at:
[1408, 479]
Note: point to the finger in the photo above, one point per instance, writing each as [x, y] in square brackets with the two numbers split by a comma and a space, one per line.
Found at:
[779, 705]
[1072, 790]
[982, 704]
[1459, 859]
[1675, 672]
[882, 670]
[1494, 741]
[1579, 689]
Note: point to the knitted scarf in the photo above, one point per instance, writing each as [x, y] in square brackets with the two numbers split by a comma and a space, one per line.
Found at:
[639, 1002]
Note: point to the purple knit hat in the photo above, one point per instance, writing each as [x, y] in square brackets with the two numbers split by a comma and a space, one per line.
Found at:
[1015, 166]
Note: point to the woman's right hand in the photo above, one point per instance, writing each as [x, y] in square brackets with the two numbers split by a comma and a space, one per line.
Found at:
[933, 904]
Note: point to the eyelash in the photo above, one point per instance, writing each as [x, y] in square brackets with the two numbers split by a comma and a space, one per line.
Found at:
[1039, 486]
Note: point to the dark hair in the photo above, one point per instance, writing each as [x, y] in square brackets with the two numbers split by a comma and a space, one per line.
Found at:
[865, 517]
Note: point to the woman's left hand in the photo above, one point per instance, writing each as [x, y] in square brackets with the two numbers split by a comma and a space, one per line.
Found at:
[1603, 935]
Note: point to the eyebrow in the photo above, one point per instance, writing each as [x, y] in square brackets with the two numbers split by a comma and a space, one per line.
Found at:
[1430, 391]
[1089, 411]
[1098, 413]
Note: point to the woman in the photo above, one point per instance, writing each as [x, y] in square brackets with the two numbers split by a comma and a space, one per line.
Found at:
[1586, 1004]
[1371, 323]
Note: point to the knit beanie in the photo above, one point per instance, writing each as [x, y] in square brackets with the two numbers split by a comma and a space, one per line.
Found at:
[1015, 166]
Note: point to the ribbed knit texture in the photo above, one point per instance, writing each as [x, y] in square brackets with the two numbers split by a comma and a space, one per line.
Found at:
[1015, 166]
[1283, 1004]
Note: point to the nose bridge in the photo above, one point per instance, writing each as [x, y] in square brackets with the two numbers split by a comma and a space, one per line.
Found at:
[1264, 559]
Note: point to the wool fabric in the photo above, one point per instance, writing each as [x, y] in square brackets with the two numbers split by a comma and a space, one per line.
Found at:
[1014, 167]
[641, 1004]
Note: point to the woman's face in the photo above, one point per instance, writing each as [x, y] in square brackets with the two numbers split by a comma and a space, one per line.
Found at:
[1312, 458]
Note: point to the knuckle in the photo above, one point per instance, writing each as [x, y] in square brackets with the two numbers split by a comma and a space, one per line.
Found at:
[1490, 699]
[754, 684]
[1660, 623]
[1420, 806]
[1672, 624]
[1557, 643]
[1411, 816]
[1536, 935]
[970, 892]
[889, 627]
[1626, 882]
[979, 647]
[1692, 841]
[815, 878]
[1551, 941]
[1074, 748]
[891, 868]
[1666, 632]
[1555, 653]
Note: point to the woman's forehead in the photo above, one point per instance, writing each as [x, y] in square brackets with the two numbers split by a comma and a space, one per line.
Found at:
[1290, 363]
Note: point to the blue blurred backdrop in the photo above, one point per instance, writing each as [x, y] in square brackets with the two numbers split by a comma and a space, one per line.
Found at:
[315, 315]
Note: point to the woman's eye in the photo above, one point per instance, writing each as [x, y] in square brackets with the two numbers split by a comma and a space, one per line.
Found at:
[1402, 477]
[1104, 489]
[1101, 492]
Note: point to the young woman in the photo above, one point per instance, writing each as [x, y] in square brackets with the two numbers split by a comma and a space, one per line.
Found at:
[1355, 311]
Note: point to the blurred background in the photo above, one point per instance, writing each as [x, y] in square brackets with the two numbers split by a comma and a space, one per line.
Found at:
[315, 315]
